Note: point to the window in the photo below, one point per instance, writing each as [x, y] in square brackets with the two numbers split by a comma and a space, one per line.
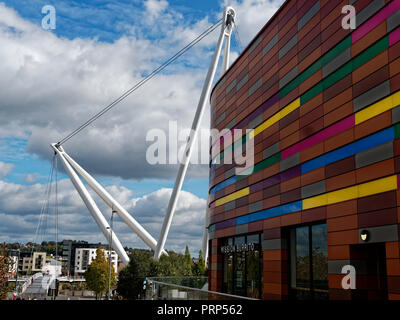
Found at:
[309, 262]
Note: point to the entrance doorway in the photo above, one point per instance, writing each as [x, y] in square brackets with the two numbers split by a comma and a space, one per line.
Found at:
[370, 263]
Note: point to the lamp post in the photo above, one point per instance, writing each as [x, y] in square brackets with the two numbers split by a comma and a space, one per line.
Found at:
[109, 254]
[16, 275]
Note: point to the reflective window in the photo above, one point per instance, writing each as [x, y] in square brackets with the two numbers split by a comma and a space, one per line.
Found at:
[309, 262]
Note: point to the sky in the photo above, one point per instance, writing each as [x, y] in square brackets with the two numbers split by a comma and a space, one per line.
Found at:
[54, 80]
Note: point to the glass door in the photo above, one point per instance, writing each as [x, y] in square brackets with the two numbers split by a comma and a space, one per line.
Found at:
[309, 262]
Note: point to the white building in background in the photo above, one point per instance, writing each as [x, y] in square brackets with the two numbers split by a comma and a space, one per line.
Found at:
[52, 267]
[85, 256]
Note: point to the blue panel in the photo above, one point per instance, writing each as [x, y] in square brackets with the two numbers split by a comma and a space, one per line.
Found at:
[349, 150]
[375, 140]
[270, 213]
[242, 220]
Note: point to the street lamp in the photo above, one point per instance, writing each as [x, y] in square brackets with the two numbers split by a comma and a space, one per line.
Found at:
[109, 254]
[16, 275]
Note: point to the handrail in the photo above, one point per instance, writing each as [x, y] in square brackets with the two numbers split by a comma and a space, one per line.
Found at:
[198, 290]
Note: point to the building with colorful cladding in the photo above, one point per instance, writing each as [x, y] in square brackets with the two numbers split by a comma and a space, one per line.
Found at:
[324, 103]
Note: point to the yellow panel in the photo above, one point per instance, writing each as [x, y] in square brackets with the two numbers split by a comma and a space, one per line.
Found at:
[377, 186]
[316, 201]
[276, 117]
[342, 195]
[374, 110]
[232, 196]
[396, 99]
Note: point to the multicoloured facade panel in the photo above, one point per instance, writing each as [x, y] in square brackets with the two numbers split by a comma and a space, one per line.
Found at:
[324, 105]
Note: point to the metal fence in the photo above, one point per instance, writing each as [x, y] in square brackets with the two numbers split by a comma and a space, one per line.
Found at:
[184, 288]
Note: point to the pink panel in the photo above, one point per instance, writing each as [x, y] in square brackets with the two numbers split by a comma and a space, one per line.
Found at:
[320, 136]
[375, 20]
[394, 37]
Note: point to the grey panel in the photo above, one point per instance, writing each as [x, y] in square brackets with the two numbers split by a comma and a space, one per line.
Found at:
[213, 112]
[255, 86]
[274, 244]
[220, 83]
[288, 77]
[229, 173]
[270, 44]
[393, 21]
[289, 45]
[230, 86]
[255, 206]
[313, 189]
[255, 44]
[352, 1]
[369, 11]
[230, 205]
[290, 162]
[220, 119]
[379, 153]
[395, 115]
[255, 122]
[242, 82]
[231, 124]
[335, 266]
[340, 60]
[275, 148]
[371, 96]
[309, 14]
[380, 234]
[242, 228]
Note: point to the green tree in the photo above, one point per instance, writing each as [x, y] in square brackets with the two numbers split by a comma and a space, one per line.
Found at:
[97, 273]
[199, 268]
[4, 271]
[131, 278]
[188, 261]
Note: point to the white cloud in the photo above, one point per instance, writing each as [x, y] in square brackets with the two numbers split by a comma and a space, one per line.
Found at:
[252, 15]
[155, 7]
[21, 207]
[5, 169]
[32, 177]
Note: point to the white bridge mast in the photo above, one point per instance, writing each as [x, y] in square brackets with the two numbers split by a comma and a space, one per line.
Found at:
[226, 30]
[158, 247]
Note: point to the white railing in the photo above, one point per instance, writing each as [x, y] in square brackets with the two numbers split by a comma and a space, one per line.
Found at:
[28, 282]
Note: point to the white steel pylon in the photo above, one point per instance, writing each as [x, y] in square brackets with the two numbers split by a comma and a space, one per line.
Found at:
[68, 163]
[228, 20]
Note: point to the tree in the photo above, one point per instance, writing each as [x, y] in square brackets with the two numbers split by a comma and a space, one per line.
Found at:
[199, 268]
[131, 278]
[96, 275]
[188, 260]
[4, 271]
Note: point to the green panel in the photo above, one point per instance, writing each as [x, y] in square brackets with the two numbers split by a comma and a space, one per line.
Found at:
[337, 75]
[267, 162]
[397, 131]
[314, 91]
[335, 51]
[371, 52]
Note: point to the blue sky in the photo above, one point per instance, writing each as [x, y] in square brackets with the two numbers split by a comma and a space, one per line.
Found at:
[61, 77]
[105, 21]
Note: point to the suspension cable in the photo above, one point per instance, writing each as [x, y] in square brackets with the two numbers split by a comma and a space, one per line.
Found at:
[237, 38]
[141, 82]
[44, 208]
